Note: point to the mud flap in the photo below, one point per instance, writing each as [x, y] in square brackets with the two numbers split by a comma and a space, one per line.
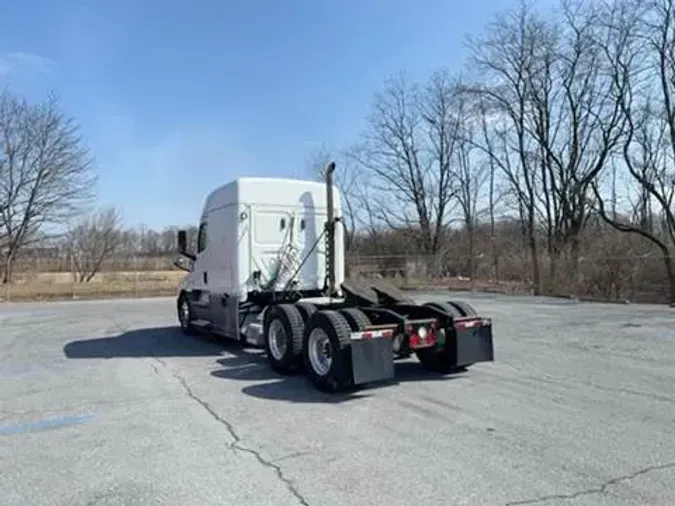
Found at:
[372, 360]
[474, 345]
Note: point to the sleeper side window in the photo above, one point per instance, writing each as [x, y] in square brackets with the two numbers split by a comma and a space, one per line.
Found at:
[201, 237]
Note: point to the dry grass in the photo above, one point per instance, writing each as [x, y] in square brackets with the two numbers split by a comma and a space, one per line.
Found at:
[459, 284]
[60, 285]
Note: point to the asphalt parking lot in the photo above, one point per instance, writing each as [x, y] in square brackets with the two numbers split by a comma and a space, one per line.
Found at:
[107, 403]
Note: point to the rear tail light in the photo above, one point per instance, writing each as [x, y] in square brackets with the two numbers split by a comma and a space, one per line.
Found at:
[421, 336]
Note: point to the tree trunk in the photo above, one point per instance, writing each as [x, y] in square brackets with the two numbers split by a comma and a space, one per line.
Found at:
[495, 258]
[534, 255]
[470, 262]
[7, 268]
[554, 255]
[670, 273]
[495, 250]
[534, 251]
[576, 250]
[493, 239]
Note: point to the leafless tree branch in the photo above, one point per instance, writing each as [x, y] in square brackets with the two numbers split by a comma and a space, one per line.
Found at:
[92, 240]
[45, 171]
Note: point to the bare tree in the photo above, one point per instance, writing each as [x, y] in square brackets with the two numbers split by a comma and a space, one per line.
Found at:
[45, 172]
[485, 143]
[584, 124]
[552, 81]
[408, 153]
[469, 174]
[648, 152]
[444, 111]
[504, 60]
[346, 179]
[92, 240]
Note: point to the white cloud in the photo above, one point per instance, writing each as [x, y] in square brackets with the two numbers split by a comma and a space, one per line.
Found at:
[18, 61]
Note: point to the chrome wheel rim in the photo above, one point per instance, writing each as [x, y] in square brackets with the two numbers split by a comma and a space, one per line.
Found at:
[278, 339]
[184, 313]
[319, 351]
[397, 342]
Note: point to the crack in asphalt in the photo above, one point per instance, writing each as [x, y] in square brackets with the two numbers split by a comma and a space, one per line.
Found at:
[155, 369]
[236, 444]
[602, 489]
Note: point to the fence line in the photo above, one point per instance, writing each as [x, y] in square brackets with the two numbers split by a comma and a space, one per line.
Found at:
[604, 277]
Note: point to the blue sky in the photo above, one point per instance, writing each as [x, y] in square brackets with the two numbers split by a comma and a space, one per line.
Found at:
[176, 97]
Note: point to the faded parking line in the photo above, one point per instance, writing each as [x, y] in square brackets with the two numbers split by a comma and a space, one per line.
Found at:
[48, 423]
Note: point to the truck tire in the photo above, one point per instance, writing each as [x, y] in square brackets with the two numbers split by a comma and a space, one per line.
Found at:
[446, 307]
[439, 360]
[283, 338]
[185, 315]
[356, 318]
[326, 351]
[463, 307]
[306, 309]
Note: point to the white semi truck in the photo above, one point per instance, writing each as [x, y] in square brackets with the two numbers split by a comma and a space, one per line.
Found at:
[269, 270]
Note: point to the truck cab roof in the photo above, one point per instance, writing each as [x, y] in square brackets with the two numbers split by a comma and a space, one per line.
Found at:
[270, 191]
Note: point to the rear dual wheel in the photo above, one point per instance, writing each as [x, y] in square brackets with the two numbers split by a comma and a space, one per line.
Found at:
[444, 360]
[298, 335]
[356, 319]
[306, 309]
[283, 338]
[326, 351]
[464, 308]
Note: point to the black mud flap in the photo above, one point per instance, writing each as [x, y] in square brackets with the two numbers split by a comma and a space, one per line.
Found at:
[372, 360]
[474, 345]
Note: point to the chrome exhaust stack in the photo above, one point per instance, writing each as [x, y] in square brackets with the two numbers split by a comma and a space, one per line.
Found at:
[330, 231]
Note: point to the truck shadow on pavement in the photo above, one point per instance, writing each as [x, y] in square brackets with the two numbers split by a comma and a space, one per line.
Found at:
[297, 389]
[250, 365]
[235, 362]
[145, 342]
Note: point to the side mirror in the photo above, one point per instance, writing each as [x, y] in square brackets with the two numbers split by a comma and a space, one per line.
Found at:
[182, 245]
[182, 241]
[183, 263]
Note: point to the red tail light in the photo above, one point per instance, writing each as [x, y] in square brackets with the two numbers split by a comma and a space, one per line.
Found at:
[422, 336]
